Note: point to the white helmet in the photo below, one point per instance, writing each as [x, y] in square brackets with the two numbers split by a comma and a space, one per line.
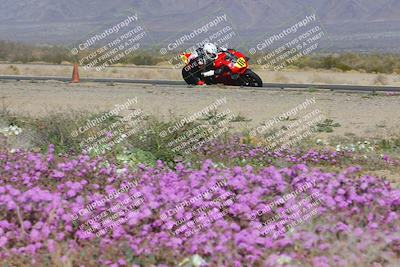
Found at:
[210, 50]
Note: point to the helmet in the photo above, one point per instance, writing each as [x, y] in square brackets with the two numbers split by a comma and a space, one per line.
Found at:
[210, 50]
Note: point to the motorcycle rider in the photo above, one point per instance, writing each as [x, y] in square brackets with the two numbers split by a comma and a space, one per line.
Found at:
[201, 63]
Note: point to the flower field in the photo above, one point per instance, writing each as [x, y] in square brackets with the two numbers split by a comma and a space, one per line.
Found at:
[231, 203]
[43, 197]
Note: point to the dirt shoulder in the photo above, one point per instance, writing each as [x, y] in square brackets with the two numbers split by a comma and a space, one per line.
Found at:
[360, 114]
[168, 73]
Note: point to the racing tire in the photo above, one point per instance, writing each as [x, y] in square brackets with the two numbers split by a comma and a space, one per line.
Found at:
[250, 79]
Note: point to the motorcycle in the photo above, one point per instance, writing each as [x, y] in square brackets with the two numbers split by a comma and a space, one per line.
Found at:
[230, 67]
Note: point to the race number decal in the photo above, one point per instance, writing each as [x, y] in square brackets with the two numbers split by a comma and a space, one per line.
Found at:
[240, 63]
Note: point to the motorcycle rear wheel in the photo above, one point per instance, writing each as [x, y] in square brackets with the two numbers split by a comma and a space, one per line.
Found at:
[251, 79]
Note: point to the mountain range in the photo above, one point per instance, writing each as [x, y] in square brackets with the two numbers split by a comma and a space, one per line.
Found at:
[362, 25]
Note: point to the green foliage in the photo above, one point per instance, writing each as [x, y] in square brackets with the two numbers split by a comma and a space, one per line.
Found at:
[158, 138]
[135, 157]
[154, 140]
[363, 62]
[240, 118]
[389, 145]
[142, 58]
[56, 129]
[326, 126]
[371, 63]
[18, 52]
[24, 53]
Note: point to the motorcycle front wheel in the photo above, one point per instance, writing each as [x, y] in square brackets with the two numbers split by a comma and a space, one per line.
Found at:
[251, 79]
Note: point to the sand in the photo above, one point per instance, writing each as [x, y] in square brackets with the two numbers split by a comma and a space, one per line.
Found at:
[168, 73]
[363, 115]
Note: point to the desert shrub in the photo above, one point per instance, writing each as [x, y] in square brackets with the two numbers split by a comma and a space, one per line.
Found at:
[142, 59]
[371, 63]
[366, 62]
[170, 140]
[14, 69]
[56, 129]
[380, 79]
[389, 145]
[19, 52]
[155, 139]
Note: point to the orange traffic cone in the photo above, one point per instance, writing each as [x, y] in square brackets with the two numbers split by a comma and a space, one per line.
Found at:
[75, 74]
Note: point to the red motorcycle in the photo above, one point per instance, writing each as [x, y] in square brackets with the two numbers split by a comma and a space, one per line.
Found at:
[230, 66]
